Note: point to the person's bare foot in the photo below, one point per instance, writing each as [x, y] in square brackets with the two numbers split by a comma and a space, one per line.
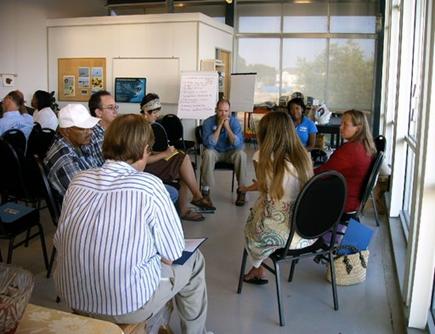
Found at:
[255, 273]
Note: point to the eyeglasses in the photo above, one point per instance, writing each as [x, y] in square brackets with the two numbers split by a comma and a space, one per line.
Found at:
[113, 107]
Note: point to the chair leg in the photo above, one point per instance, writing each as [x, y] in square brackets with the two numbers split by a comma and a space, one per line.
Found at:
[26, 244]
[242, 271]
[10, 250]
[50, 266]
[292, 270]
[278, 294]
[333, 281]
[44, 248]
[232, 182]
[375, 208]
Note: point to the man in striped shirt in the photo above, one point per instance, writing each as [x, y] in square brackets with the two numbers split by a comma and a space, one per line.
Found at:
[119, 231]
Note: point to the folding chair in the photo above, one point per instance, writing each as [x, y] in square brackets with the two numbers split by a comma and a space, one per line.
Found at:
[327, 191]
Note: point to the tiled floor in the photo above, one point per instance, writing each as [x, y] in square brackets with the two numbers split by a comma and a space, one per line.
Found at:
[370, 307]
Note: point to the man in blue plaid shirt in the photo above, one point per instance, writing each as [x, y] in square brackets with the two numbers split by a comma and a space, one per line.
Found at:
[69, 153]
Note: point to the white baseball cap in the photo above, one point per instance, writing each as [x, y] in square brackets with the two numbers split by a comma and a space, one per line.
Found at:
[76, 115]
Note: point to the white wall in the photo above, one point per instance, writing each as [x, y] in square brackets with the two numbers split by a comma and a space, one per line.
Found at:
[23, 38]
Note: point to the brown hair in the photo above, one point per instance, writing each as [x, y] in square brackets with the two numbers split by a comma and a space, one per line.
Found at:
[126, 138]
[222, 101]
[279, 143]
[18, 99]
[363, 133]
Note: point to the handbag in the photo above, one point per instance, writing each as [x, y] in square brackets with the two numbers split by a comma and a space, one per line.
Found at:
[349, 268]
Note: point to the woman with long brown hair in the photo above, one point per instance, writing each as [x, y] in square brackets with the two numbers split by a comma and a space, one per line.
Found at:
[282, 167]
[354, 158]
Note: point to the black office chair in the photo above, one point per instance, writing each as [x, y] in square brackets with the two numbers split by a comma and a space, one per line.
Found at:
[16, 219]
[17, 139]
[221, 165]
[52, 201]
[328, 191]
[40, 140]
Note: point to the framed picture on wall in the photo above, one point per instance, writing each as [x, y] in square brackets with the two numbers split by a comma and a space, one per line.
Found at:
[130, 90]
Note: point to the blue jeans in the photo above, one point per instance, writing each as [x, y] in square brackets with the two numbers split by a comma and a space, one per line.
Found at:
[173, 193]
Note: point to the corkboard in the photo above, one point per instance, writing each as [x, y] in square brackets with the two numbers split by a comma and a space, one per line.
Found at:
[78, 78]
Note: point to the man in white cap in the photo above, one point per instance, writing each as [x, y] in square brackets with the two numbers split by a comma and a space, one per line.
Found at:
[65, 157]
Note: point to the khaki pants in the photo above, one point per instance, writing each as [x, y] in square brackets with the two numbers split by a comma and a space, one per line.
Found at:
[186, 284]
[210, 157]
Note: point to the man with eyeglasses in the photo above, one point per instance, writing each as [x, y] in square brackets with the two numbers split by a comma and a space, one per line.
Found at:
[102, 105]
[67, 156]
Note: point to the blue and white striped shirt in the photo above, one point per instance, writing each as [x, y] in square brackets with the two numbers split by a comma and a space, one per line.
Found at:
[116, 225]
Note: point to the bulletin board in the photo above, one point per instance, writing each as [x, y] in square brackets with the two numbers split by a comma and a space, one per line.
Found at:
[79, 78]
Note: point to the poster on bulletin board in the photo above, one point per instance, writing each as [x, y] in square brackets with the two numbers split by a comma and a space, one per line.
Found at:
[198, 95]
[79, 78]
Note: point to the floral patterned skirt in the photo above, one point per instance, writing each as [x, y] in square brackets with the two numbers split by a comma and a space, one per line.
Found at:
[268, 227]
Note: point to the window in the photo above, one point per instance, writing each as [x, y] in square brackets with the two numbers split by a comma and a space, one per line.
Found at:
[305, 51]
[304, 66]
[351, 71]
[259, 18]
[265, 63]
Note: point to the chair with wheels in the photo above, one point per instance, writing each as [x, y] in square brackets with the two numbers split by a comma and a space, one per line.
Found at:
[327, 191]
[220, 165]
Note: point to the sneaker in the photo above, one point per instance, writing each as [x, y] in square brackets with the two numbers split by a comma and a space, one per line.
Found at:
[241, 198]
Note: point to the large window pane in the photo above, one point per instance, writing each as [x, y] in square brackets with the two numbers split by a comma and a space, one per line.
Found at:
[305, 17]
[261, 55]
[351, 70]
[259, 18]
[304, 67]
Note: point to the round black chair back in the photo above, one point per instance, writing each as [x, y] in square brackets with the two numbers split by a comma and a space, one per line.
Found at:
[160, 138]
[40, 140]
[173, 127]
[319, 205]
[17, 139]
[380, 143]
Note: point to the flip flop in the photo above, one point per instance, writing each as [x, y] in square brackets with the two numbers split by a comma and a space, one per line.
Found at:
[203, 204]
[190, 215]
[256, 280]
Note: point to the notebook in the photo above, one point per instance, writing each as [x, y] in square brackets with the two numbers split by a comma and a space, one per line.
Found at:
[357, 235]
[11, 212]
[191, 246]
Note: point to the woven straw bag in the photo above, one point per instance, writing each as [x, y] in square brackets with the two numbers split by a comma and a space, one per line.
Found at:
[351, 268]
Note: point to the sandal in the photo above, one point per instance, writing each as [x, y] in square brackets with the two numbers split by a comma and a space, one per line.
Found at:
[255, 280]
[193, 216]
[203, 203]
[241, 198]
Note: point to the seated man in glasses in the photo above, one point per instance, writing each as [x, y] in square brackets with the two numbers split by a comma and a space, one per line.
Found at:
[121, 244]
[68, 156]
[103, 106]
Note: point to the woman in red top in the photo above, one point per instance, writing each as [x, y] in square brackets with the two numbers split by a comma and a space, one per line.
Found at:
[354, 158]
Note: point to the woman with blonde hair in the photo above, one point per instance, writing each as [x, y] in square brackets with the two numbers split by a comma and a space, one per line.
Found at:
[282, 167]
[354, 158]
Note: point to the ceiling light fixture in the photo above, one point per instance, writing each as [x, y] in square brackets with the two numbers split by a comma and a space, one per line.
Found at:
[229, 1]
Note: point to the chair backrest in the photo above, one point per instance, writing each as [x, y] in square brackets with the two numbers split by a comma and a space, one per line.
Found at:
[52, 202]
[371, 179]
[380, 143]
[174, 128]
[160, 138]
[17, 139]
[318, 207]
[11, 172]
[40, 140]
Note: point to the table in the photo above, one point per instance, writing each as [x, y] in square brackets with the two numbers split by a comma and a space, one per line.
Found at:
[39, 319]
[332, 128]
